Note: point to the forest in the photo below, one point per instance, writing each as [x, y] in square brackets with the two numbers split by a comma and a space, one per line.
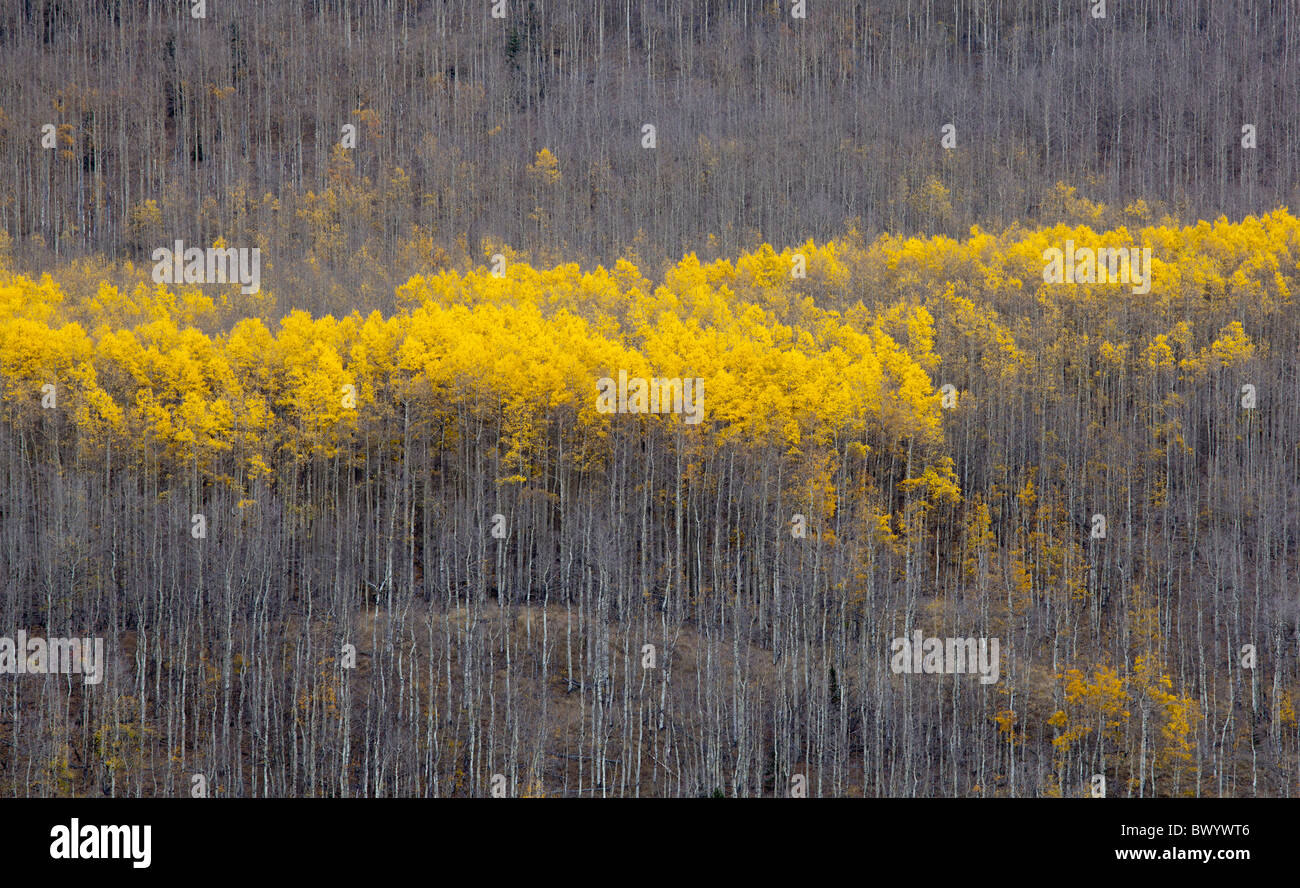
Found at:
[370, 527]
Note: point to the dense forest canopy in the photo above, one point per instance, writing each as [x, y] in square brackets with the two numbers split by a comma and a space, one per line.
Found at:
[365, 526]
[438, 487]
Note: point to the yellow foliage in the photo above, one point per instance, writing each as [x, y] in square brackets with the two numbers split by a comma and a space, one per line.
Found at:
[850, 354]
[545, 169]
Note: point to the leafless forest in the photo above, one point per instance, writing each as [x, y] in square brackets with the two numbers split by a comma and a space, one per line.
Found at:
[362, 532]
